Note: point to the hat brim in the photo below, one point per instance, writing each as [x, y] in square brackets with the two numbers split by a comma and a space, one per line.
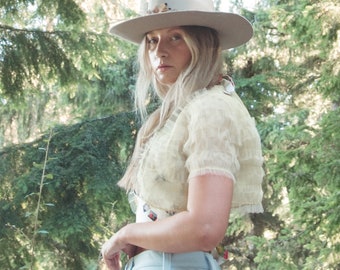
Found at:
[234, 30]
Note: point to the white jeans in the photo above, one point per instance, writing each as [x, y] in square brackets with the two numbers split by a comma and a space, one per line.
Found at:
[152, 260]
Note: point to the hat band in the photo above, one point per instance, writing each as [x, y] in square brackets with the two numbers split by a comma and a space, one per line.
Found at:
[148, 7]
[160, 8]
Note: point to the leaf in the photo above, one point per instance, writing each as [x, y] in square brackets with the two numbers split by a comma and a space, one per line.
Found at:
[33, 193]
[49, 176]
[49, 204]
[37, 165]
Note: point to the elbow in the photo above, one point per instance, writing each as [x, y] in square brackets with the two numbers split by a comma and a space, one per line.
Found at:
[210, 237]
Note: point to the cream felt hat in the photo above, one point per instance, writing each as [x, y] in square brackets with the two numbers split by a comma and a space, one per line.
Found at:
[234, 30]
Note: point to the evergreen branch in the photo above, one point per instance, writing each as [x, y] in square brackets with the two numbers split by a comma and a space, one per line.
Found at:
[39, 199]
[54, 32]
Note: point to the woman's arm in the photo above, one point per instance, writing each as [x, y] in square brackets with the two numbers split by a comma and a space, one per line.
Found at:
[201, 227]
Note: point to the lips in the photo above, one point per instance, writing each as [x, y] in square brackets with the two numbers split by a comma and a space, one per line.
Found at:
[163, 66]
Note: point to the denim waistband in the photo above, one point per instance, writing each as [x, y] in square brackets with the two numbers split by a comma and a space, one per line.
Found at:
[153, 260]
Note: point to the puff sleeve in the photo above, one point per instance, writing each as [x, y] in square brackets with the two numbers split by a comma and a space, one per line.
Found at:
[223, 140]
[212, 144]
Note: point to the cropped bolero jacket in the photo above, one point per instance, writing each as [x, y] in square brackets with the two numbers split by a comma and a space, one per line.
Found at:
[212, 133]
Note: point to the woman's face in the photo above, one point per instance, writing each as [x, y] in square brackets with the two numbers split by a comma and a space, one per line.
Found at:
[168, 53]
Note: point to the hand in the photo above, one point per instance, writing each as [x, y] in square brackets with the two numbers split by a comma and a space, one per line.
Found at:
[112, 262]
[111, 250]
[111, 253]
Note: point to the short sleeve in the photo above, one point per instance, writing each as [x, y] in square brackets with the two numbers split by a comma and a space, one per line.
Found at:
[213, 136]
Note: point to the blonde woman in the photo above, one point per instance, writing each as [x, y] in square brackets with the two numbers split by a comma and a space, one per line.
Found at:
[197, 157]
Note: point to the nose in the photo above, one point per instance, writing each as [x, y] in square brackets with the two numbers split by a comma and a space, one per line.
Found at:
[162, 49]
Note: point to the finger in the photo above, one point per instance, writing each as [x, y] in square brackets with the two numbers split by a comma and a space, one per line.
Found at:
[113, 263]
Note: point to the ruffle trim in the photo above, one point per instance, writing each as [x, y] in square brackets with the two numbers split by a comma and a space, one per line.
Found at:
[240, 211]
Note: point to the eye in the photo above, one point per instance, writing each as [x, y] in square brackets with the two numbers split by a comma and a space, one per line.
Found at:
[176, 37]
[151, 40]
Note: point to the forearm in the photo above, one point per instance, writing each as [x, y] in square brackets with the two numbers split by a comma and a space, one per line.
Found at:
[183, 232]
[201, 227]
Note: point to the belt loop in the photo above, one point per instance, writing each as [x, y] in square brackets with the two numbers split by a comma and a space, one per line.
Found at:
[167, 261]
[212, 263]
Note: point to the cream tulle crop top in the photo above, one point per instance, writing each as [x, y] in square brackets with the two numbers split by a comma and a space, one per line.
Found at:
[213, 133]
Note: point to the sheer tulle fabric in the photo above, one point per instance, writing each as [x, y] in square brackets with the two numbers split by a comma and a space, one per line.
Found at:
[212, 134]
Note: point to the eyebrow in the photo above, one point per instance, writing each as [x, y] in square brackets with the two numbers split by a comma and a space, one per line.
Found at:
[170, 30]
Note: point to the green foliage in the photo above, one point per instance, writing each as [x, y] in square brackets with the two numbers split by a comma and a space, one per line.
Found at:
[80, 202]
[35, 47]
[67, 10]
[310, 177]
[112, 92]
[48, 63]
[291, 63]
[308, 30]
[41, 49]
[30, 56]
[288, 77]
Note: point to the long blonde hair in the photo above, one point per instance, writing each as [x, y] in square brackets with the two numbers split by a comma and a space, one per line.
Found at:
[204, 71]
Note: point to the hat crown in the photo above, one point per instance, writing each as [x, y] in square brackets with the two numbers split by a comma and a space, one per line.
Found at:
[157, 6]
[233, 29]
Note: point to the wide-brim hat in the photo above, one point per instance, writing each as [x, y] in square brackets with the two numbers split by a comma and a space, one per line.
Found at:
[233, 29]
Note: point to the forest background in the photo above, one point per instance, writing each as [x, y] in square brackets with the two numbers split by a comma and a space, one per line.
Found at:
[67, 128]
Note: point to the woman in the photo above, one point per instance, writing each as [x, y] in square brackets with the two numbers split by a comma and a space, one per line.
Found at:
[198, 156]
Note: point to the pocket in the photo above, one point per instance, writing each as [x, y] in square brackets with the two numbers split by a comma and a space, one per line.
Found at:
[212, 263]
